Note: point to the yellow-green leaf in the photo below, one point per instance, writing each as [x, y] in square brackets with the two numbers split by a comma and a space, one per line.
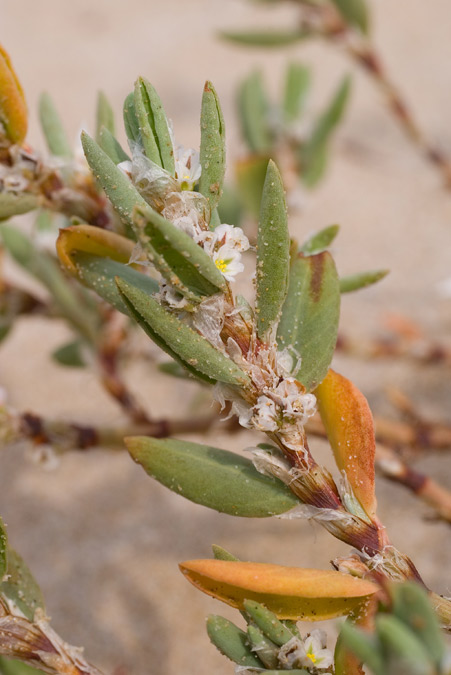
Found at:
[13, 109]
[94, 240]
[347, 418]
[289, 592]
[212, 147]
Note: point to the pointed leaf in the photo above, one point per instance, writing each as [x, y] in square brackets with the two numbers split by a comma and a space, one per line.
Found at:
[21, 587]
[231, 641]
[153, 126]
[94, 240]
[357, 281]
[179, 339]
[13, 108]
[273, 252]
[297, 84]
[309, 321]
[53, 129]
[119, 189]
[70, 355]
[254, 112]
[131, 123]
[268, 622]
[320, 241]
[349, 425]
[212, 147]
[289, 592]
[266, 650]
[112, 147]
[104, 116]
[314, 168]
[364, 646]
[183, 263]
[265, 38]
[355, 12]
[215, 478]
[403, 646]
[221, 554]
[12, 204]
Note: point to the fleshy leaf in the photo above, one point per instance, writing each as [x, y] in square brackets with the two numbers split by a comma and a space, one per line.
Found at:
[70, 355]
[183, 263]
[221, 554]
[178, 338]
[364, 646]
[14, 667]
[21, 587]
[15, 204]
[153, 126]
[355, 12]
[212, 147]
[309, 321]
[267, 650]
[347, 418]
[297, 84]
[104, 116]
[268, 622]
[250, 179]
[94, 240]
[289, 592]
[13, 108]
[131, 123]
[231, 641]
[254, 111]
[355, 282]
[215, 478]
[402, 646]
[320, 241]
[265, 38]
[41, 265]
[53, 129]
[273, 252]
[112, 147]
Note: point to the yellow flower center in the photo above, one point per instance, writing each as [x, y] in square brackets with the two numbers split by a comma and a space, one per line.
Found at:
[312, 658]
[221, 264]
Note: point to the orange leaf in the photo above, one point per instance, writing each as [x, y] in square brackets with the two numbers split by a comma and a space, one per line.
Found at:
[94, 240]
[349, 425]
[289, 592]
[13, 109]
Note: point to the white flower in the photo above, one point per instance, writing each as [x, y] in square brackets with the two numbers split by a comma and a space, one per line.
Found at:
[187, 167]
[315, 652]
[265, 414]
[228, 262]
[228, 235]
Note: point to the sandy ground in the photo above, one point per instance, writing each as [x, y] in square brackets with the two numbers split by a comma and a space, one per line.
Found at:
[103, 539]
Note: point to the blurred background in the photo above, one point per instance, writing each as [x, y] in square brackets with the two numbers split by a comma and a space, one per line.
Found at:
[104, 540]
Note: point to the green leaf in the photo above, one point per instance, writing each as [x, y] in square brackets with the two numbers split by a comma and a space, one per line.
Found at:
[131, 123]
[355, 282]
[412, 606]
[184, 264]
[212, 147]
[309, 322]
[53, 129]
[313, 170]
[273, 252]
[268, 622]
[250, 179]
[403, 646]
[230, 208]
[14, 667]
[44, 268]
[70, 355]
[355, 12]
[297, 84]
[266, 650]
[104, 116]
[179, 340]
[265, 38]
[153, 126]
[21, 587]
[15, 204]
[253, 109]
[320, 241]
[364, 646]
[118, 188]
[221, 554]
[325, 126]
[112, 147]
[99, 274]
[3, 549]
[217, 479]
[173, 369]
[231, 641]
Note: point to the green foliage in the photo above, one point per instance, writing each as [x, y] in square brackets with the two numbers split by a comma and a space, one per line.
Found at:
[212, 147]
[104, 116]
[70, 355]
[13, 667]
[355, 12]
[355, 282]
[53, 129]
[320, 241]
[131, 123]
[265, 38]
[309, 323]
[153, 126]
[20, 586]
[231, 641]
[273, 252]
[111, 146]
[215, 478]
[12, 204]
[253, 108]
[297, 84]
